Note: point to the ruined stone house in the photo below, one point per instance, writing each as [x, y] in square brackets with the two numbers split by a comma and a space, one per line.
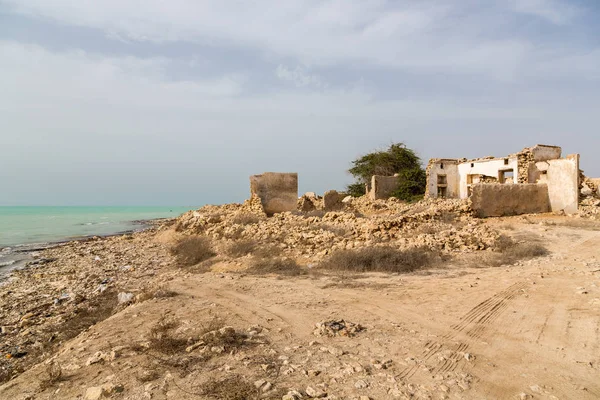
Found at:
[534, 180]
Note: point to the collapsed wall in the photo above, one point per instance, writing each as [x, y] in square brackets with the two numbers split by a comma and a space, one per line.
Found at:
[278, 192]
[382, 187]
[494, 200]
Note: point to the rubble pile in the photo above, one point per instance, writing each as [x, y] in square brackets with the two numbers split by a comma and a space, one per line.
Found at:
[441, 224]
[335, 328]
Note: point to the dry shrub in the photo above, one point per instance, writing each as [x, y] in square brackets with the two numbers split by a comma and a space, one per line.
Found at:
[380, 259]
[162, 337]
[267, 251]
[52, 375]
[231, 388]
[277, 266]
[241, 248]
[246, 219]
[192, 250]
[507, 251]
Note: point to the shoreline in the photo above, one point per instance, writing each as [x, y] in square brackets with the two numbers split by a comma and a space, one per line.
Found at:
[23, 255]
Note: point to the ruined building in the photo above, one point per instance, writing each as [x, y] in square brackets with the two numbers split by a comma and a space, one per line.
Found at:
[534, 180]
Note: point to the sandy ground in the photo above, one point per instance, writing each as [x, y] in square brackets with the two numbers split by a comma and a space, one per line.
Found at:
[530, 330]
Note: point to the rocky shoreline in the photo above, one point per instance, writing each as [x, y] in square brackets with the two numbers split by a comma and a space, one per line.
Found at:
[19, 256]
[62, 282]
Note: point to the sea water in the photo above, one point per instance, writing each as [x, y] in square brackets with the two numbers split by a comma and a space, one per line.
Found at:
[25, 228]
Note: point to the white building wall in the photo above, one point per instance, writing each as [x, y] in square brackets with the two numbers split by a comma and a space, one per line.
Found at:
[452, 179]
[484, 167]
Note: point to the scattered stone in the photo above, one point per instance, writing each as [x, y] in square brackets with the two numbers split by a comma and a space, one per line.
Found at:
[125, 297]
[93, 393]
[360, 384]
[292, 395]
[334, 328]
[315, 393]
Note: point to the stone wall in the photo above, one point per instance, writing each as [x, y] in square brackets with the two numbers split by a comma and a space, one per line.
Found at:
[562, 177]
[278, 192]
[382, 187]
[496, 200]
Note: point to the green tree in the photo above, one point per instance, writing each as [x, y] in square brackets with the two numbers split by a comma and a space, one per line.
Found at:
[397, 159]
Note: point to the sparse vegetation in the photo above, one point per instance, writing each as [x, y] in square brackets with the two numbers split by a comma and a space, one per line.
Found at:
[397, 159]
[192, 250]
[231, 388]
[162, 337]
[276, 265]
[241, 248]
[267, 251]
[507, 251]
[380, 259]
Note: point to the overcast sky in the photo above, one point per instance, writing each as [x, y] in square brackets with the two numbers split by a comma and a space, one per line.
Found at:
[131, 102]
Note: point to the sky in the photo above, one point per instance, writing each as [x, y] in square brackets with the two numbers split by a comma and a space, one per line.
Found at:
[130, 102]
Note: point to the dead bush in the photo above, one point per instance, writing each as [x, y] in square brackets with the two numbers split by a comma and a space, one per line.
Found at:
[380, 259]
[278, 266]
[246, 219]
[52, 375]
[230, 388]
[507, 251]
[267, 251]
[241, 248]
[162, 339]
[192, 250]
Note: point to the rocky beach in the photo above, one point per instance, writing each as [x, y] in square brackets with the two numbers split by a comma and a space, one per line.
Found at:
[284, 307]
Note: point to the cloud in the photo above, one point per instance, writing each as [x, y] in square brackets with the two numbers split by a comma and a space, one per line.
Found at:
[299, 76]
[436, 35]
[555, 11]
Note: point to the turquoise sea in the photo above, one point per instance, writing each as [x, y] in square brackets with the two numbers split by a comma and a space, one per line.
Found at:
[23, 228]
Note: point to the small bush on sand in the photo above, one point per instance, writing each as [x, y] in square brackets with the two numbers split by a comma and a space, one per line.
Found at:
[278, 266]
[267, 251]
[380, 259]
[230, 388]
[240, 248]
[162, 337]
[507, 251]
[192, 250]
